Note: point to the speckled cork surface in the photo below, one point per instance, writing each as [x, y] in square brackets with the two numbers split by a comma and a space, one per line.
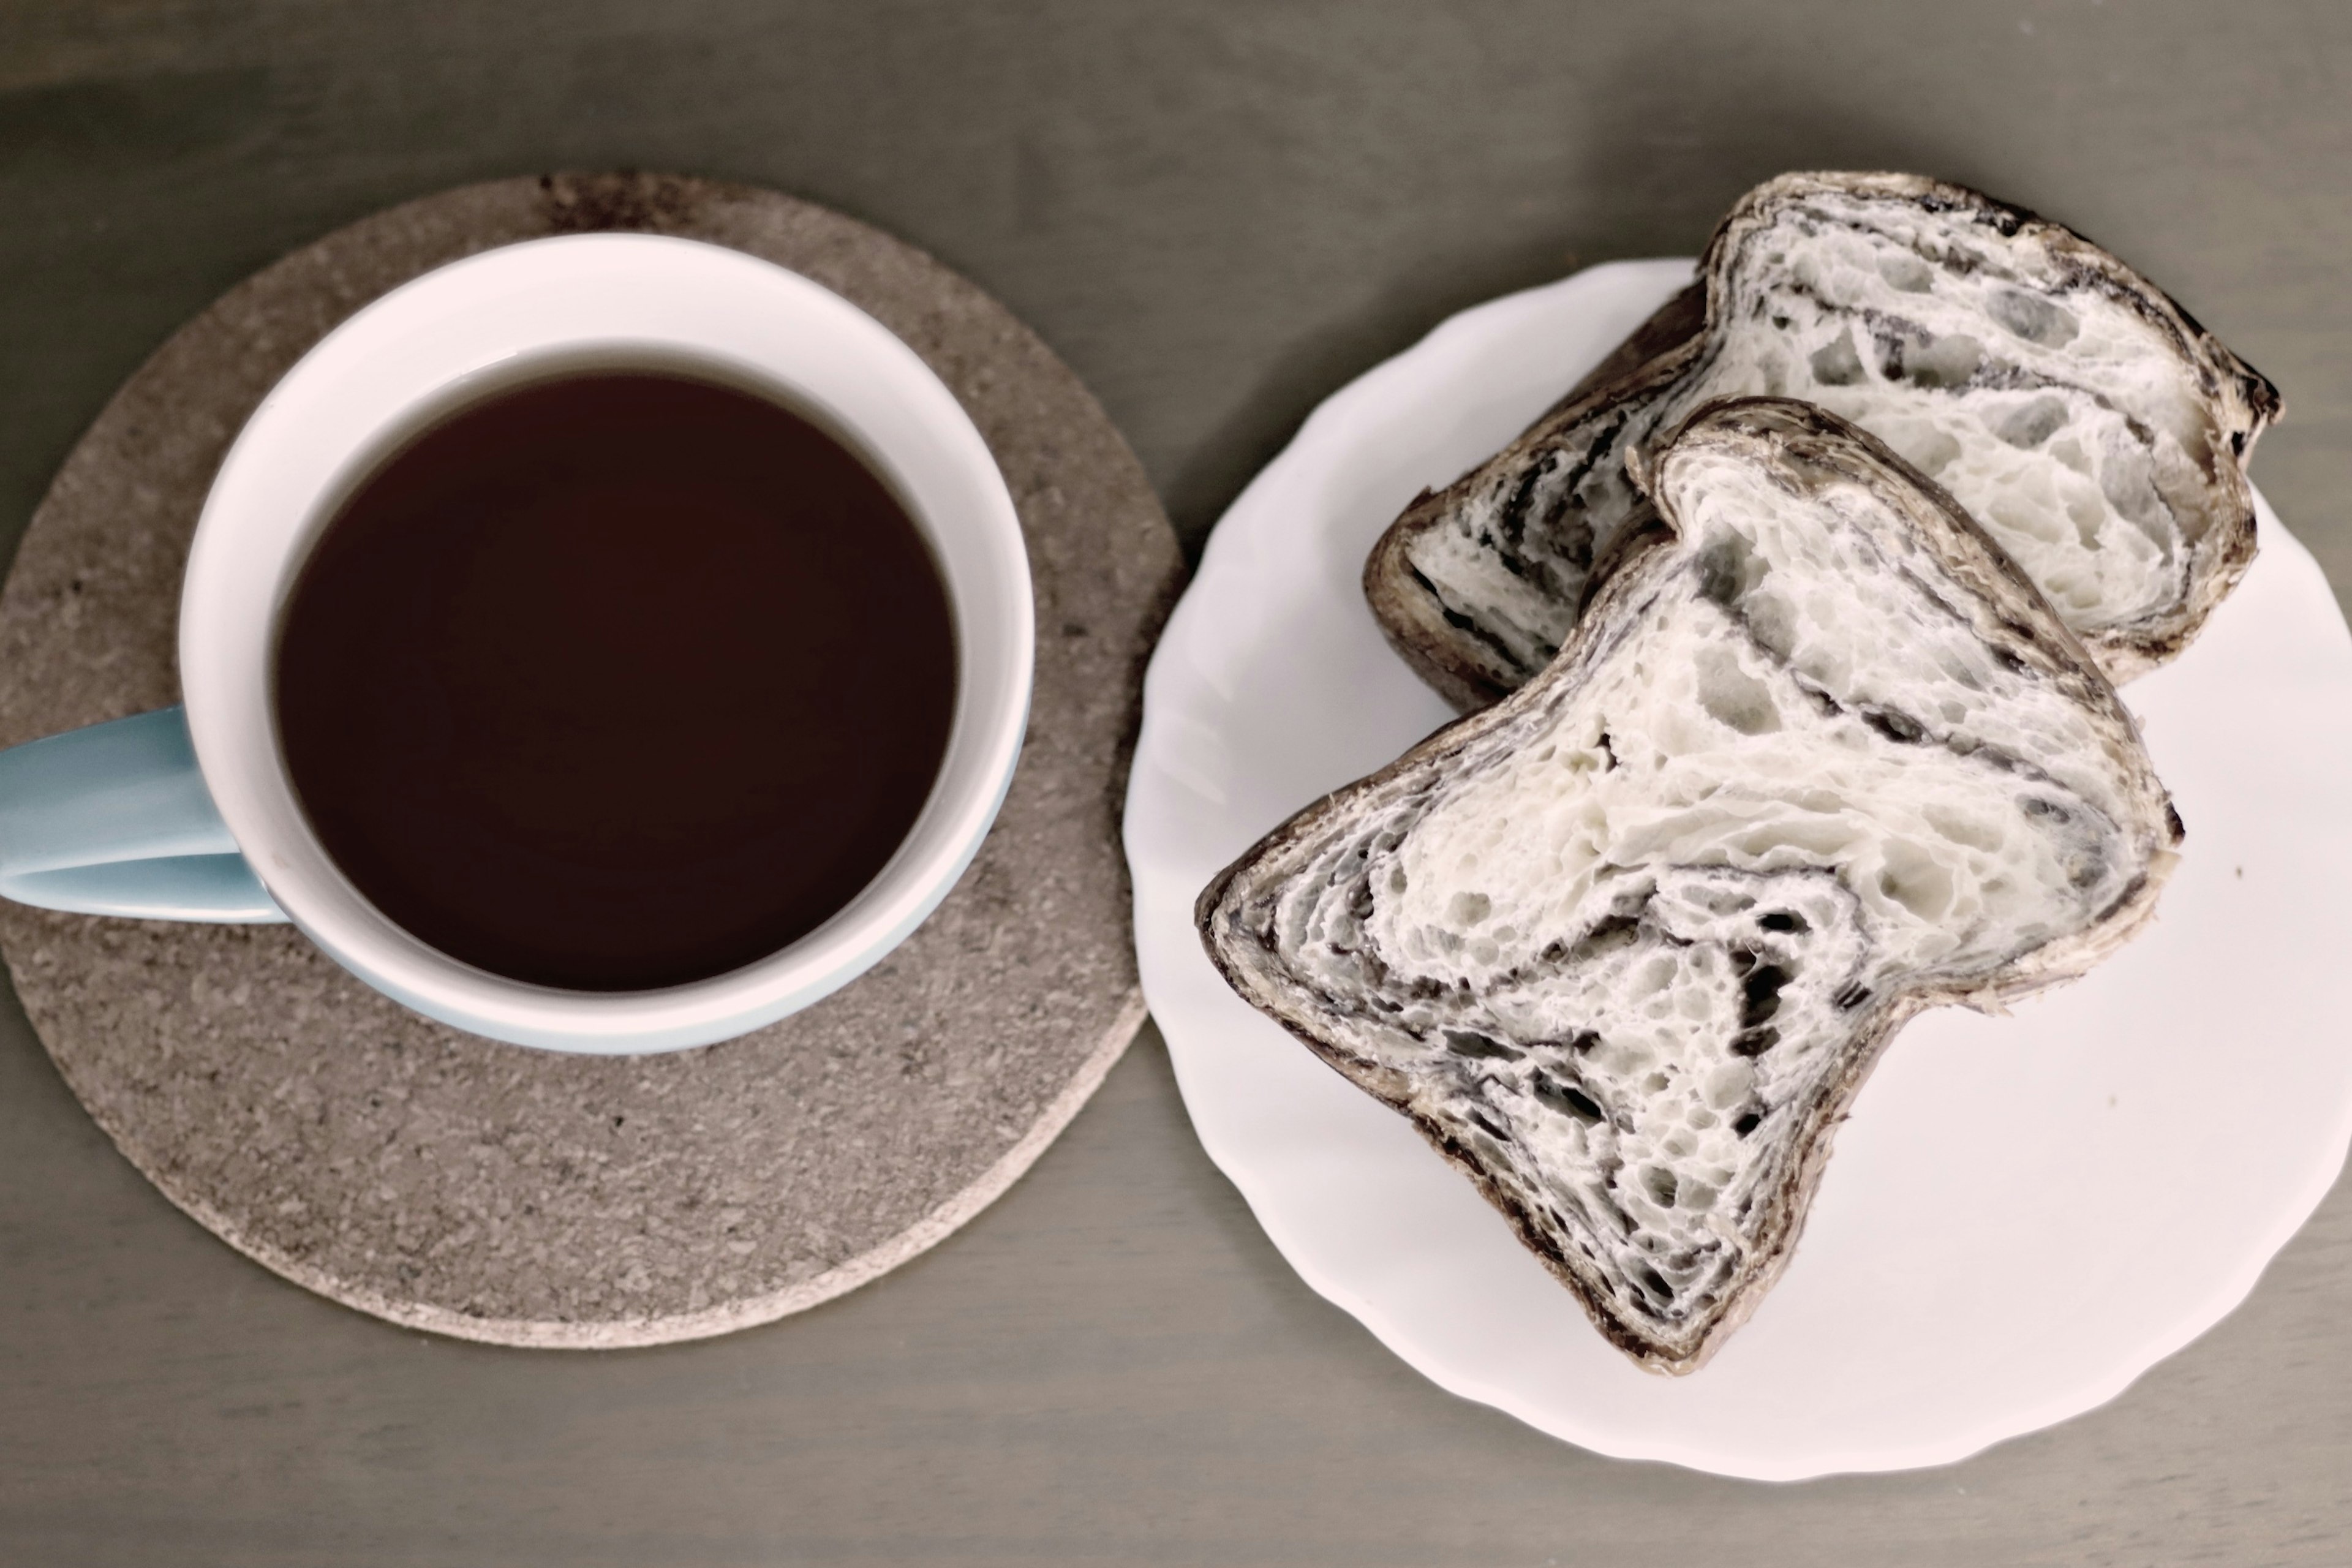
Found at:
[495, 1192]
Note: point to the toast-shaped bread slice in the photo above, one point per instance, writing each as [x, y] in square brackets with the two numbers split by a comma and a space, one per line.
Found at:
[2081, 417]
[1624, 945]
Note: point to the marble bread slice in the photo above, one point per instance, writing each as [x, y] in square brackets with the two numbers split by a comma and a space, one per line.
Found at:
[2084, 421]
[1624, 945]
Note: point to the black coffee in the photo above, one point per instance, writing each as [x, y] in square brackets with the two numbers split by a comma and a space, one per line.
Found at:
[616, 682]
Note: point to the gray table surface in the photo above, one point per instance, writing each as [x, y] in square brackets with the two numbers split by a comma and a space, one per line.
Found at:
[1217, 213]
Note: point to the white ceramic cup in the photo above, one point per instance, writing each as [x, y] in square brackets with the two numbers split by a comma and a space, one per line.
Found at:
[120, 818]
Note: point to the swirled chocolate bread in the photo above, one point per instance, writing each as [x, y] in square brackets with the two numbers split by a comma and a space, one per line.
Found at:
[1624, 945]
[2084, 421]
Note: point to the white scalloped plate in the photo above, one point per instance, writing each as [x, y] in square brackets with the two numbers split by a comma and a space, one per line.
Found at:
[2024, 1213]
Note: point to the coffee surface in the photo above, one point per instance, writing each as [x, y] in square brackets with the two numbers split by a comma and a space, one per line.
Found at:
[616, 681]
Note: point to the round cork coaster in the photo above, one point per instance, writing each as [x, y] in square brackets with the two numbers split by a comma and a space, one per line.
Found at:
[495, 1192]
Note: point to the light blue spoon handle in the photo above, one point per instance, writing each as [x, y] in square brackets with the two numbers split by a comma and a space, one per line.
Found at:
[115, 820]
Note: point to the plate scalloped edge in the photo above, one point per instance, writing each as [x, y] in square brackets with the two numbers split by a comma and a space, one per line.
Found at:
[1271, 685]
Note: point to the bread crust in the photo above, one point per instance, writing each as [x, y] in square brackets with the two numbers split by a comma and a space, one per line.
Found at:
[1806, 447]
[1450, 652]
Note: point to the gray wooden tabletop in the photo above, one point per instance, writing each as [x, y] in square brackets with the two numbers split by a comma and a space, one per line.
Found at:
[1217, 212]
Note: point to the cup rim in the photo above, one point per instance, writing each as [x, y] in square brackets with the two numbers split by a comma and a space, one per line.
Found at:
[474, 327]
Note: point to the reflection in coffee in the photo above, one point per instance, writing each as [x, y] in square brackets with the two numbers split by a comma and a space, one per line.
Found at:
[616, 681]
